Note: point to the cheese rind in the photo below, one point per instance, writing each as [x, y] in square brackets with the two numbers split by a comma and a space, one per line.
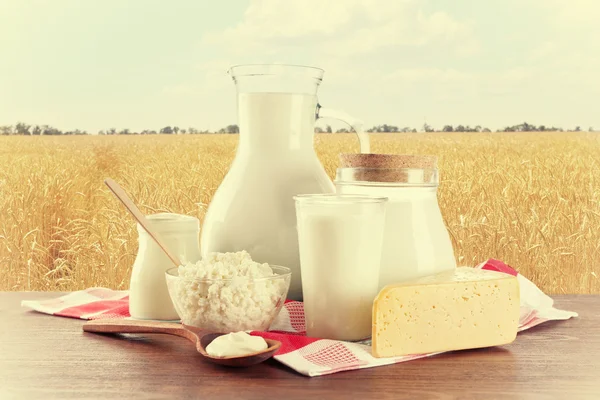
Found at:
[460, 309]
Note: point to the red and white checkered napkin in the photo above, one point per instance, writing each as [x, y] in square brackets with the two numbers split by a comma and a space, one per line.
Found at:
[92, 303]
[306, 355]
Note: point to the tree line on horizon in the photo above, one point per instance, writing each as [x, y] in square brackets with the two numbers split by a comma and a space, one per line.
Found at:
[22, 128]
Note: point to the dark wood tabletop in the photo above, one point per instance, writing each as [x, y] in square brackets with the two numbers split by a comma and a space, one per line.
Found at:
[50, 357]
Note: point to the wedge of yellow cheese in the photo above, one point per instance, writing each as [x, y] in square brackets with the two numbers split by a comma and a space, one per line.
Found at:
[461, 309]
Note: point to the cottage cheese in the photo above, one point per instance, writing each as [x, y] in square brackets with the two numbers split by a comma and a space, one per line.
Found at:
[227, 292]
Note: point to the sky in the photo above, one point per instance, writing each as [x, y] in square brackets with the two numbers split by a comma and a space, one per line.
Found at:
[146, 64]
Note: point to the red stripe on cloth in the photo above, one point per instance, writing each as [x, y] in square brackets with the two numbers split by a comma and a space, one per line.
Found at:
[101, 293]
[303, 333]
[331, 355]
[108, 306]
[532, 323]
[296, 312]
[497, 265]
[119, 312]
[289, 343]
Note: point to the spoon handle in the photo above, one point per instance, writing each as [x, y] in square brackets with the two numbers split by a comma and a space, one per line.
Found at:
[139, 216]
[137, 326]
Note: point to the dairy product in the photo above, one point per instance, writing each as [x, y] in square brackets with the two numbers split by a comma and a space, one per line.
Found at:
[460, 309]
[416, 242]
[148, 294]
[228, 292]
[253, 208]
[236, 344]
[340, 251]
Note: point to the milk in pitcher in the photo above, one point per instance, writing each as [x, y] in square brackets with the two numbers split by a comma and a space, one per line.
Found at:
[253, 208]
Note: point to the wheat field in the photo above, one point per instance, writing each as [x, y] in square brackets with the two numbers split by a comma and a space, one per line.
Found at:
[529, 199]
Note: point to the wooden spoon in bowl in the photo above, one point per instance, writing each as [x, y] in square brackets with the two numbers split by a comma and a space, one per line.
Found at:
[198, 336]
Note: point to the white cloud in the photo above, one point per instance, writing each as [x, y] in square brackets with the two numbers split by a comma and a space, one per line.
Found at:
[403, 59]
[340, 28]
[518, 74]
[544, 50]
[573, 13]
[433, 75]
[279, 22]
[387, 61]
[569, 61]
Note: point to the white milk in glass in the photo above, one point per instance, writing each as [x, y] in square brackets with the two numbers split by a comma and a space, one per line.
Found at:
[340, 252]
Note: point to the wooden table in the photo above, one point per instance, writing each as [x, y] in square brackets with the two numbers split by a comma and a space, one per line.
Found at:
[50, 357]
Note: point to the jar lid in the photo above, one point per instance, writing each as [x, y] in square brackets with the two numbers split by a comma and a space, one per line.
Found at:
[171, 223]
[387, 161]
[403, 169]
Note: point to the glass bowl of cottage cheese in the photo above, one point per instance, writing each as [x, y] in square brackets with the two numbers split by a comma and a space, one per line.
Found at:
[228, 292]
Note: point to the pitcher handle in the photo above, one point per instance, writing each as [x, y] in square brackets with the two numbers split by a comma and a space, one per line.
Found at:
[356, 124]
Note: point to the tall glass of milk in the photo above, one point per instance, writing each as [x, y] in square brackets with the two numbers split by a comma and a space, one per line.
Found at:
[340, 241]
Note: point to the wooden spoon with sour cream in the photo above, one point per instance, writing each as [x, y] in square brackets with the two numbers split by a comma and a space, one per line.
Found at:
[199, 337]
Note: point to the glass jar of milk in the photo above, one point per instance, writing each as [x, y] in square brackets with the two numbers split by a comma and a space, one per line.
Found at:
[148, 294]
[416, 242]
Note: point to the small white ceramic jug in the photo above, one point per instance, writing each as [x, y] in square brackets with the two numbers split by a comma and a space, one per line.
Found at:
[148, 294]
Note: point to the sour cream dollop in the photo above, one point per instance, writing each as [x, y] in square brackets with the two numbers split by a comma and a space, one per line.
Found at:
[236, 344]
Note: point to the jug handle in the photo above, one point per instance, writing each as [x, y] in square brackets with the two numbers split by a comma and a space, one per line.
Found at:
[356, 124]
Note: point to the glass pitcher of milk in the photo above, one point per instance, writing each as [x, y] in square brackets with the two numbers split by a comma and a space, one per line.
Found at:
[253, 209]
